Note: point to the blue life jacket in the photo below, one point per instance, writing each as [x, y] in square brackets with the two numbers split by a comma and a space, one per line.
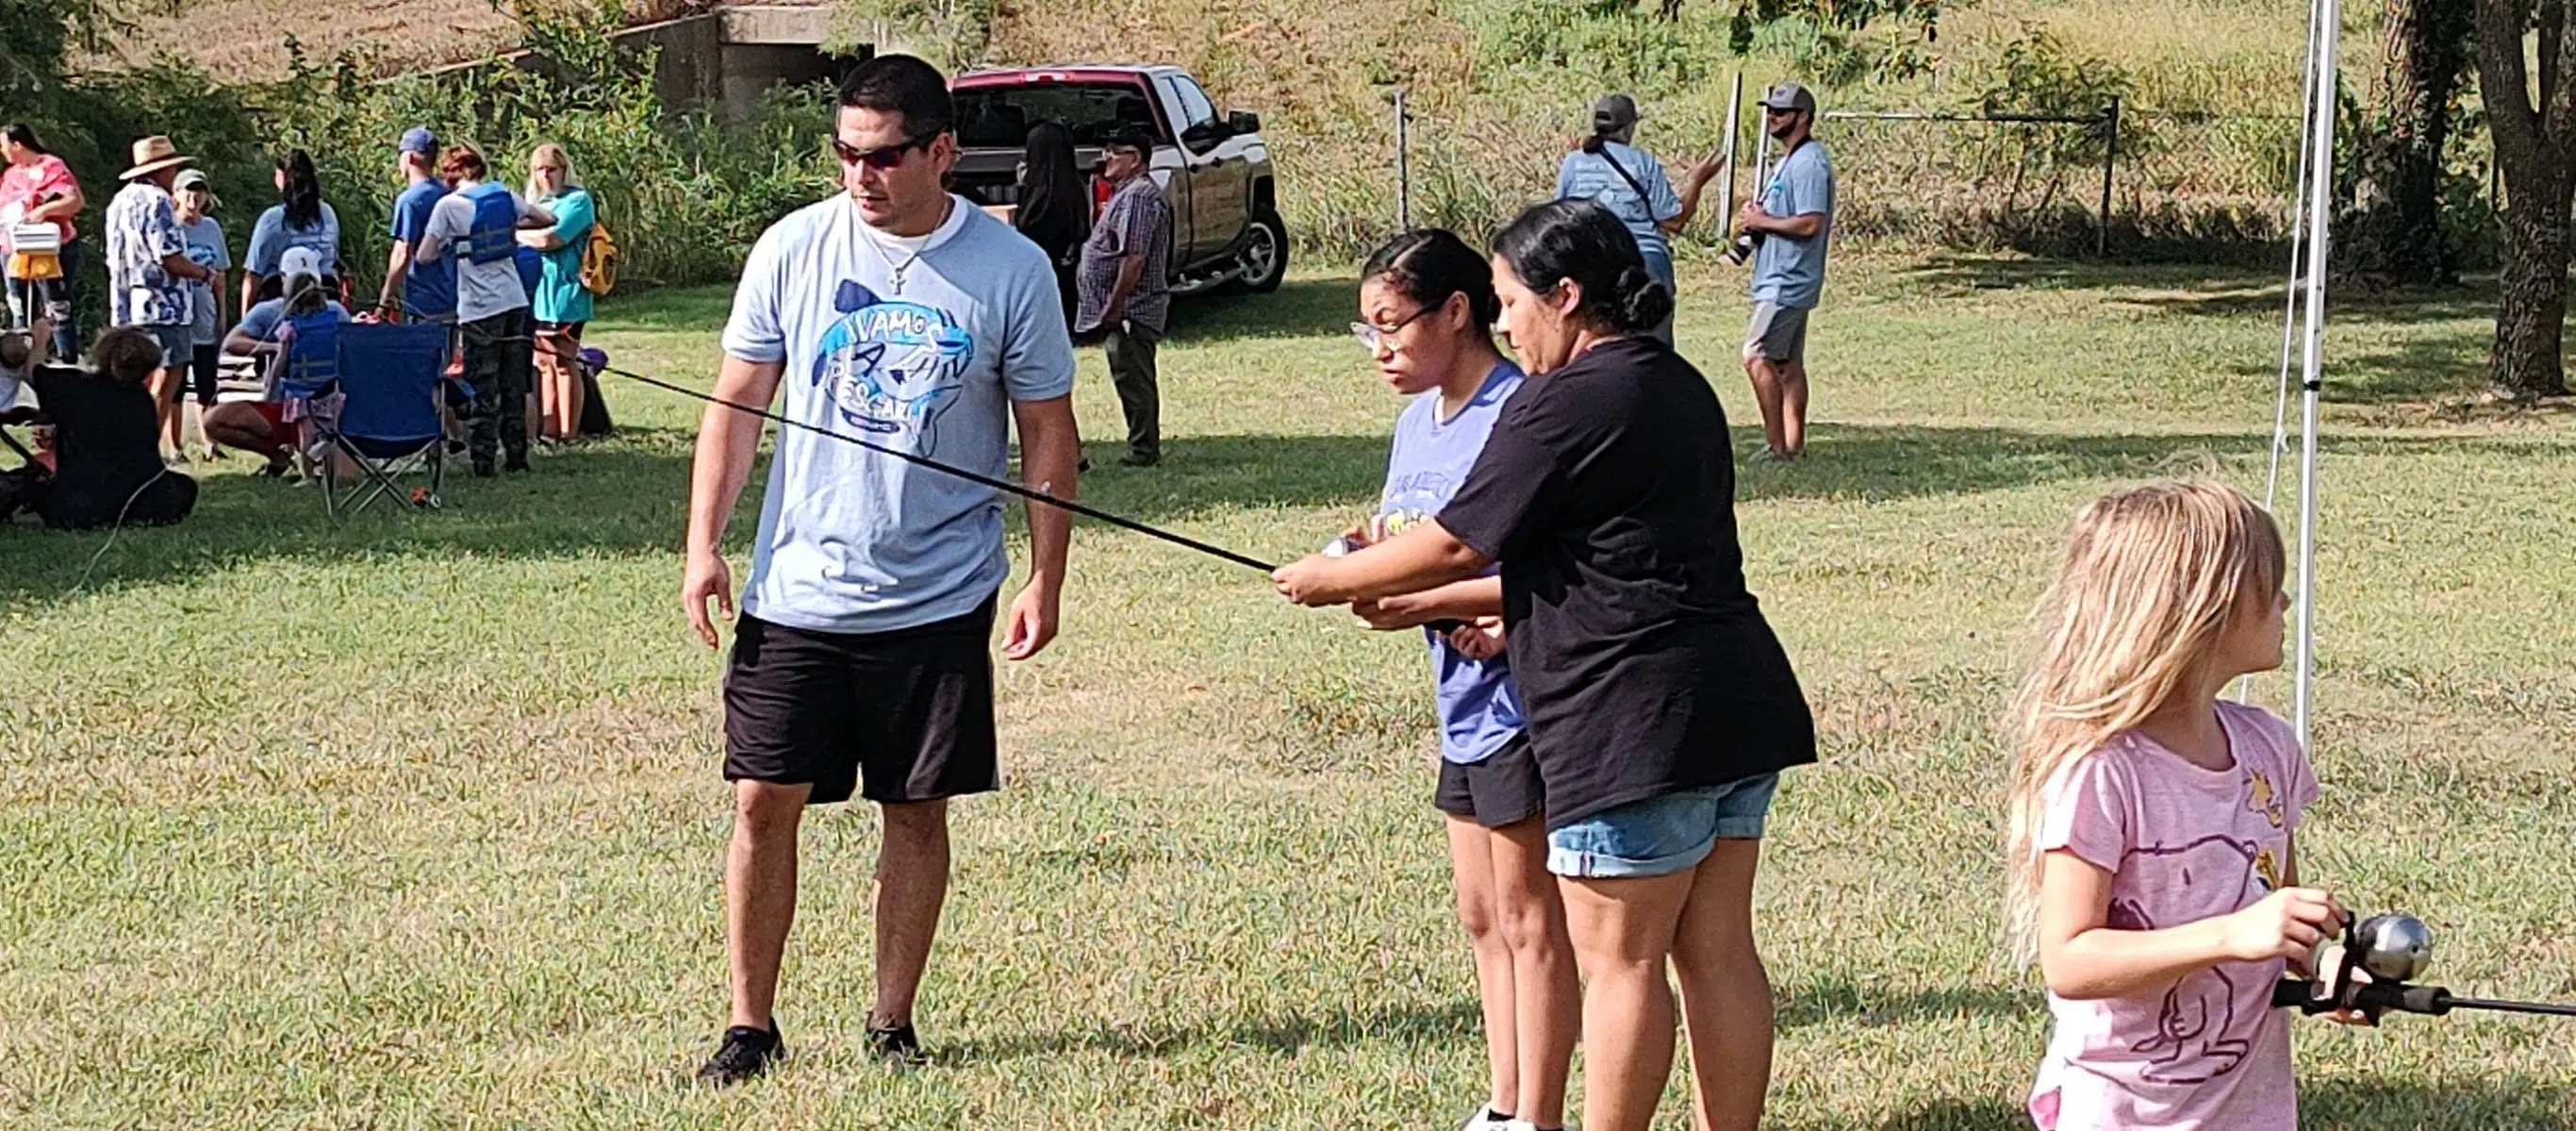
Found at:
[493, 235]
[313, 354]
[532, 269]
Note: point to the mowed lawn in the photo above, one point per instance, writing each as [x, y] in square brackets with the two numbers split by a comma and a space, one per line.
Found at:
[415, 821]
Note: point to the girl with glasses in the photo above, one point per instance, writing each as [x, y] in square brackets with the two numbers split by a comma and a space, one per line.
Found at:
[1426, 306]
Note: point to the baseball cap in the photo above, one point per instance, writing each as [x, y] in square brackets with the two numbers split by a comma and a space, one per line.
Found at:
[1789, 96]
[300, 261]
[1614, 112]
[419, 140]
[1130, 136]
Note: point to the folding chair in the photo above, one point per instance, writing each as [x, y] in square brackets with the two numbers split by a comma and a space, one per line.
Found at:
[388, 423]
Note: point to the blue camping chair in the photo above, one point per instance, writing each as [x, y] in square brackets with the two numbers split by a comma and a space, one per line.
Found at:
[389, 423]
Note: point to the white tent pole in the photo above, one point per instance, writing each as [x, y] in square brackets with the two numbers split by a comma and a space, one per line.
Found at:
[2312, 361]
[2290, 294]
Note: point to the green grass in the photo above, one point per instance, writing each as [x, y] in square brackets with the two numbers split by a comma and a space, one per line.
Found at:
[415, 821]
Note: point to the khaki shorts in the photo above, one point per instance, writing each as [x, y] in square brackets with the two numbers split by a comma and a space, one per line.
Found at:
[1778, 333]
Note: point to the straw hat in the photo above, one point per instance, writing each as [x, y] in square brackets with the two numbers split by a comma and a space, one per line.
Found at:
[151, 155]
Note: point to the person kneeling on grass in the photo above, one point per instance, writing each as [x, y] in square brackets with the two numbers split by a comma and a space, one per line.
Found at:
[106, 425]
[1427, 301]
[272, 425]
[2153, 865]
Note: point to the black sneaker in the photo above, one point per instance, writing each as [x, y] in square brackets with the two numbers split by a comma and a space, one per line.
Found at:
[1139, 459]
[515, 464]
[744, 1053]
[897, 1043]
[483, 469]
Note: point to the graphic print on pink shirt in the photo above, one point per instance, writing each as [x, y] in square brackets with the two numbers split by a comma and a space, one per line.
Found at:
[2197, 1038]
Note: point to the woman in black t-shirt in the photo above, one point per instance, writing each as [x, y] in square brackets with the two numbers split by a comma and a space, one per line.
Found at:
[1660, 705]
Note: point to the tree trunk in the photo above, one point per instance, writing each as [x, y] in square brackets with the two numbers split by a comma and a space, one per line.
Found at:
[2536, 150]
[2398, 227]
[2531, 300]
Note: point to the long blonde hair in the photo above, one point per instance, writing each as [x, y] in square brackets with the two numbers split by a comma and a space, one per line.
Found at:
[551, 154]
[2153, 578]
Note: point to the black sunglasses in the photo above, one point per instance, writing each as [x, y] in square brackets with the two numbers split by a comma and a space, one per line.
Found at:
[880, 158]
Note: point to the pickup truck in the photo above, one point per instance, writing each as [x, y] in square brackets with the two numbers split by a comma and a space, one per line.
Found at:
[1225, 199]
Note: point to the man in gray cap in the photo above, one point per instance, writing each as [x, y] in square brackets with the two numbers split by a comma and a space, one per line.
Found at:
[1793, 218]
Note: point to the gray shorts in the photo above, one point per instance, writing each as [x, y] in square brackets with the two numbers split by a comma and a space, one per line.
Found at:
[178, 344]
[1778, 333]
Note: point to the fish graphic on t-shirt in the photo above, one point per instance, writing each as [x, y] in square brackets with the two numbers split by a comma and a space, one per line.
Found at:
[2197, 1037]
[892, 367]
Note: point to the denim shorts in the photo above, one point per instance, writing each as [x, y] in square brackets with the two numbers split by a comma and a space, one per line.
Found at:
[178, 345]
[1661, 835]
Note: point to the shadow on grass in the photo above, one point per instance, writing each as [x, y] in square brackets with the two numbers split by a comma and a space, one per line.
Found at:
[2203, 289]
[628, 496]
[1844, 1000]
[1300, 308]
[2518, 1103]
[624, 496]
[1335, 1028]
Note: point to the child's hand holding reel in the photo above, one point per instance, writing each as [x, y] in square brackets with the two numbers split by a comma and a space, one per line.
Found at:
[2366, 975]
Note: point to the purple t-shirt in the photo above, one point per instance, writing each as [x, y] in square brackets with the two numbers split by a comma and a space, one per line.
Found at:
[1480, 710]
[2182, 844]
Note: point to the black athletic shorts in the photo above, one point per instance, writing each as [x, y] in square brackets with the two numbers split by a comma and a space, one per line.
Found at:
[907, 712]
[1500, 791]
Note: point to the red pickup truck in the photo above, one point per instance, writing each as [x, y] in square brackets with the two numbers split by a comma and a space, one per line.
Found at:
[1225, 199]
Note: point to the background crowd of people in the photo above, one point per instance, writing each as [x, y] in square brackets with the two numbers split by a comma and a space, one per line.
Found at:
[514, 272]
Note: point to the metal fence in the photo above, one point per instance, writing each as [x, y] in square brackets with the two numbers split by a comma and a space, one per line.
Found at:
[2063, 183]
[2120, 179]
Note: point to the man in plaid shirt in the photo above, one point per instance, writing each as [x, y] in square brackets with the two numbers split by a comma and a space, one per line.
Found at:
[1124, 293]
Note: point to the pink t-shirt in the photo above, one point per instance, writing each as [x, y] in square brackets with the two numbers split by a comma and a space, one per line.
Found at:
[21, 185]
[2182, 844]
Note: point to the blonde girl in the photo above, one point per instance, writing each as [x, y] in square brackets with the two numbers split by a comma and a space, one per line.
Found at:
[2152, 867]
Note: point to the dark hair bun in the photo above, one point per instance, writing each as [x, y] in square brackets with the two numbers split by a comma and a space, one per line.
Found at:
[1580, 242]
[1644, 301]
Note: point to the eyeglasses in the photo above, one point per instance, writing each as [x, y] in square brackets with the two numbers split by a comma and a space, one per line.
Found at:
[1371, 336]
[1776, 111]
[880, 158]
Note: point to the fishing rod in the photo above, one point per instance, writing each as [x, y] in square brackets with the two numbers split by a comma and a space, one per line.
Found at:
[1338, 547]
[1025, 492]
[2392, 950]
[600, 365]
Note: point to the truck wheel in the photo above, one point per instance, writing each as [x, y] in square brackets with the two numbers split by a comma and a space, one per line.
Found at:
[1265, 254]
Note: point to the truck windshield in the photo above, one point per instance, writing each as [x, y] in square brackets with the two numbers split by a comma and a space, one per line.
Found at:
[999, 117]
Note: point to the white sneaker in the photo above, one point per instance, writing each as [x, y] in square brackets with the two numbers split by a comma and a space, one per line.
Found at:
[1483, 1120]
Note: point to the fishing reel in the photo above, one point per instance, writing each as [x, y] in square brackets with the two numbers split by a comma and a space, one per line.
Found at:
[2370, 971]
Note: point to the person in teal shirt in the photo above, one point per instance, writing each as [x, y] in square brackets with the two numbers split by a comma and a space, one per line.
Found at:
[561, 305]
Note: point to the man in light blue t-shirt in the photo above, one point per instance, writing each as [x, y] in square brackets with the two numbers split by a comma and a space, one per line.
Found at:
[906, 317]
[1794, 218]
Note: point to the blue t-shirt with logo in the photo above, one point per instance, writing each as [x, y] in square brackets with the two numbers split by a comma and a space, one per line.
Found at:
[206, 249]
[429, 285]
[853, 540]
[1480, 709]
[270, 237]
[1590, 176]
[1791, 271]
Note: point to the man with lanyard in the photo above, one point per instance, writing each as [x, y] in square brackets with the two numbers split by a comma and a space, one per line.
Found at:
[902, 315]
[479, 222]
[1793, 217]
[1123, 294]
[424, 292]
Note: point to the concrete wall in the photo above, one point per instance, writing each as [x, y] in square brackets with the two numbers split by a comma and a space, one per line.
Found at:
[733, 56]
